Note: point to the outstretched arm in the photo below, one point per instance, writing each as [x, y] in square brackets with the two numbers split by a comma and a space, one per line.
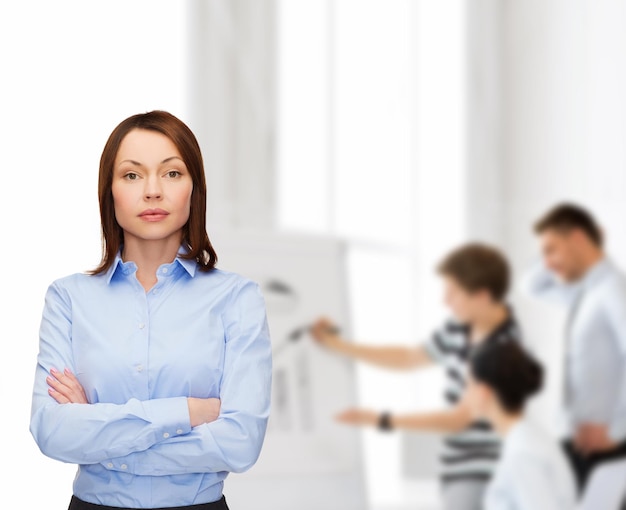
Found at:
[444, 421]
[393, 357]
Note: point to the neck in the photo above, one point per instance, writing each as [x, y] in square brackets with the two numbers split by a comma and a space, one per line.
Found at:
[488, 320]
[590, 258]
[149, 255]
[503, 421]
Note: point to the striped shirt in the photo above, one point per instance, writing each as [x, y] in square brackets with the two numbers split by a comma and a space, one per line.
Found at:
[473, 452]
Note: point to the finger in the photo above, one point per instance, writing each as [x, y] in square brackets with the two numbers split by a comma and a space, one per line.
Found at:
[64, 386]
[75, 383]
[68, 373]
[61, 399]
[344, 415]
[58, 386]
[60, 377]
[344, 419]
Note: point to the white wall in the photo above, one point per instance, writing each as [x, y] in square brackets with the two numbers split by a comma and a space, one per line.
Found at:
[231, 102]
[71, 71]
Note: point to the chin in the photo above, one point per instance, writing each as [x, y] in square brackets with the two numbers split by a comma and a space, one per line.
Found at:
[568, 277]
[154, 234]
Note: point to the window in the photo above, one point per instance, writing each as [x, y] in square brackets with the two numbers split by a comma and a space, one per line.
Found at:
[371, 149]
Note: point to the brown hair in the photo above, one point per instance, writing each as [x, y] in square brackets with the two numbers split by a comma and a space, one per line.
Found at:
[195, 237]
[565, 217]
[477, 267]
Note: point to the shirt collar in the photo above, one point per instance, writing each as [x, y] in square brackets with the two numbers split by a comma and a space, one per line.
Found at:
[130, 267]
[596, 273]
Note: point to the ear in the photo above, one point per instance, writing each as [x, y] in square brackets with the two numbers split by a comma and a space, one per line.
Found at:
[484, 295]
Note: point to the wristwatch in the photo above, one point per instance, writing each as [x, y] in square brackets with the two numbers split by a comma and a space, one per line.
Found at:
[384, 421]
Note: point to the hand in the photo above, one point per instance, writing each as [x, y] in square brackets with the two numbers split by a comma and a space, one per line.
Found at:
[65, 388]
[593, 438]
[203, 410]
[323, 332]
[358, 417]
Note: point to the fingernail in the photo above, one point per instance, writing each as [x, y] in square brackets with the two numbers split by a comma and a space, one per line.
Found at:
[67, 371]
[53, 371]
[48, 379]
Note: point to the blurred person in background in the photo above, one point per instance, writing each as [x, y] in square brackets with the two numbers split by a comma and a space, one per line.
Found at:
[476, 280]
[154, 369]
[533, 472]
[577, 274]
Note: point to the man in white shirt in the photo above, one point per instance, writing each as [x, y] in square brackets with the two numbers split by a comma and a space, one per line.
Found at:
[577, 273]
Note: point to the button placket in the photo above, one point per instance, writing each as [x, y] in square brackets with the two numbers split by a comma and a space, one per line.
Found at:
[140, 347]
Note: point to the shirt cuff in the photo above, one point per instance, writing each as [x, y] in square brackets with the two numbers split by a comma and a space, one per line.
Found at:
[169, 417]
[617, 431]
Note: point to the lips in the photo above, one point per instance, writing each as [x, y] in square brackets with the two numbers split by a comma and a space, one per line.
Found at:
[153, 215]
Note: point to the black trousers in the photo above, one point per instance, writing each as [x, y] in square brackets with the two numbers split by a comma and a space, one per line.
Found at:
[79, 504]
[583, 465]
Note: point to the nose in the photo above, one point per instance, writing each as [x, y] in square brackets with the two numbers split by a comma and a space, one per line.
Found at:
[153, 188]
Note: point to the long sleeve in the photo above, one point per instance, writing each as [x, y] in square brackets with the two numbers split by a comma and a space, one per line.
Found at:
[233, 442]
[616, 313]
[539, 282]
[90, 433]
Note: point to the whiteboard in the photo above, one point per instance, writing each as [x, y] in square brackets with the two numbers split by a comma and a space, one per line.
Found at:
[308, 461]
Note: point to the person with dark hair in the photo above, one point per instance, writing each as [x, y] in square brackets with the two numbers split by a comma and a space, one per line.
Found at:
[577, 274]
[533, 473]
[476, 279]
[154, 369]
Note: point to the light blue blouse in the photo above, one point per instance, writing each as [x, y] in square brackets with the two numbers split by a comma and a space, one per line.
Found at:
[139, 355]
[532, 474]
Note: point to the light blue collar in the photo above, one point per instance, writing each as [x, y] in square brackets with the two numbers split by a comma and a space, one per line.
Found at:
[130, 267]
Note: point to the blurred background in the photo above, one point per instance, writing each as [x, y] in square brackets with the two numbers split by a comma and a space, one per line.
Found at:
[397, 128]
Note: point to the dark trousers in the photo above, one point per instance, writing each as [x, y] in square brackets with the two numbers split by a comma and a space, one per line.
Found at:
[79, 504]
[583, 465]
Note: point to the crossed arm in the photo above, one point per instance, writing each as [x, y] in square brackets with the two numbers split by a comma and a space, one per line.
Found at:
[65, 388]
[161, 436]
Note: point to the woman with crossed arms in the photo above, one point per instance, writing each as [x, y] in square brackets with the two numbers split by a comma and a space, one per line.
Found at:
[154, 369]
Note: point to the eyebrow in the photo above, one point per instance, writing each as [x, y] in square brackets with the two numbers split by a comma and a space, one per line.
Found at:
[136, 163]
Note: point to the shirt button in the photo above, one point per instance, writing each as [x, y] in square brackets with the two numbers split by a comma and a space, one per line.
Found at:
[123, 466]
[154, 291]
[166, 435]
[141, 325]
[139, 368]
[110, 465]
[164, 270]
[179, 431]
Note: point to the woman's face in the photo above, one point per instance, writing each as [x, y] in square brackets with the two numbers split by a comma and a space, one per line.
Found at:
[151, 187]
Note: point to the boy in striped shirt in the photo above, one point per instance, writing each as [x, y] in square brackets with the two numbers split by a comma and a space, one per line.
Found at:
[476, 279]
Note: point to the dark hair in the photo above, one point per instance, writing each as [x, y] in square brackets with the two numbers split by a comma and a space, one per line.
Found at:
[565, 217]
[477, 267]
[195, 238]
[509, 370]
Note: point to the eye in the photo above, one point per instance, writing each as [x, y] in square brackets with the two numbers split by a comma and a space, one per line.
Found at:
[131, 176]
[173, 174]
